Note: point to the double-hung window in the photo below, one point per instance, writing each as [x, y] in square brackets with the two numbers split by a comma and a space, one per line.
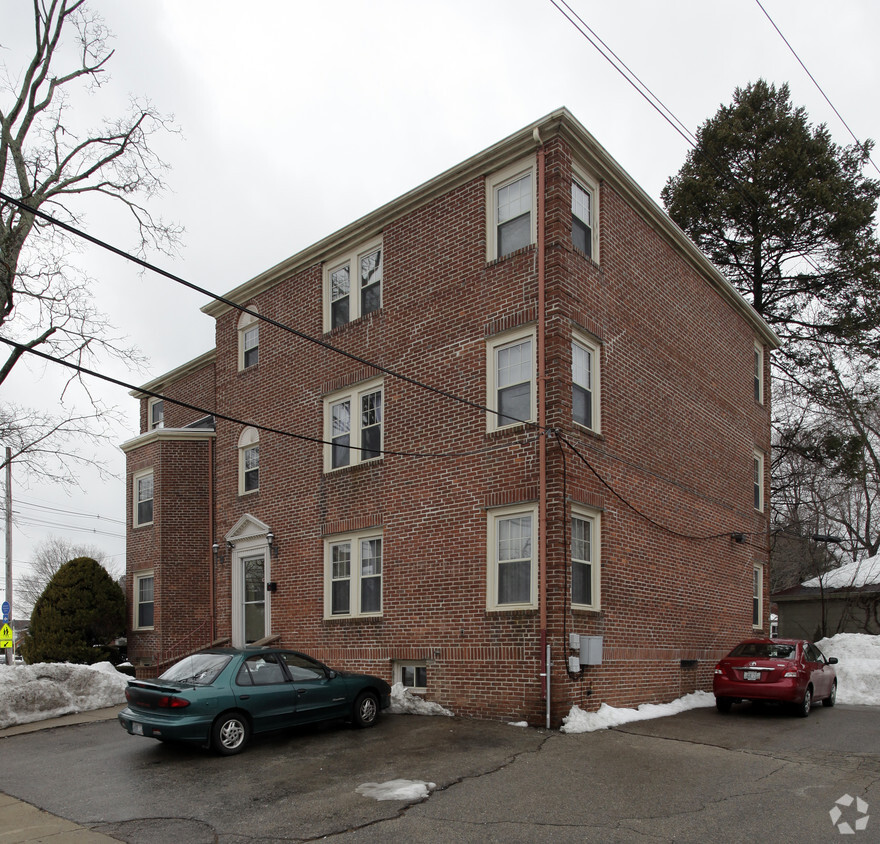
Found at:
[353, 426]
[512, 569]
[585, 383]
[353, 575]
[144, 600]
[758, 377]
[758, 469]
[757, 595]
[353, 286]
[511, 209]
[584, 561]
[142, 491]
[583, 214]
[248, 461]
[156, 413]
[511, 380]
[248, 340]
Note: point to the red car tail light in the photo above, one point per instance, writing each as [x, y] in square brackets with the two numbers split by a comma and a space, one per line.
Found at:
[171, 702]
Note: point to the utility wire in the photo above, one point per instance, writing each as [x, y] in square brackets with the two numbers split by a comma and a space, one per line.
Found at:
[25, 503]
[280, 431]
[636, 510]
[269, 320]
[813, 79]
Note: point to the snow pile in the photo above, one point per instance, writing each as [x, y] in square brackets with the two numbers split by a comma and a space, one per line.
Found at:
[397, 790]
[578, 721]
[49, 690]
[404, 702]
[859, 573]
[858, 672]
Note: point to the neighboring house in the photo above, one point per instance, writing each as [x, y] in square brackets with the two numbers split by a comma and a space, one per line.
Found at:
[437, 543]
[843, 600]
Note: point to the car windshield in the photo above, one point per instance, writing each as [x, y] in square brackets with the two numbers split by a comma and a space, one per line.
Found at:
[198, 669]
[765, 650]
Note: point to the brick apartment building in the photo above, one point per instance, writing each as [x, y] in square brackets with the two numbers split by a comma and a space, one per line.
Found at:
[592, 460]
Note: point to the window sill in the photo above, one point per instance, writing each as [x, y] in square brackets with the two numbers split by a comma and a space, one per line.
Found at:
[524, 250]
[353, 619]
[342, 470]
[371, 317]
[526, 611]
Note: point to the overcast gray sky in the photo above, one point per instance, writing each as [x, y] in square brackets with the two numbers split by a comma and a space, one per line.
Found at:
[299, 117]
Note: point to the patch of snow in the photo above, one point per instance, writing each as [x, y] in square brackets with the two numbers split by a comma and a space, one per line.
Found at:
[578, 721]
[48, 690]
[397, 790]
[858, 573]
[404, 702]
[858, 672]
[517, 723]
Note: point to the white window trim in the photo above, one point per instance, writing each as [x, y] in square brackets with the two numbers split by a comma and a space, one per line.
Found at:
[137, 476]
[758, 463]
[249, 438]
[352, 258]
[759, 361]
[353, 394]
[493, 517]
[245, 323]
[355, 540]
[400, 664]
[596, 558]
[596, 378]
[492, 346]
[151, 426]
[758, 569]
[138, 577]
[499, 180]
[590, 185]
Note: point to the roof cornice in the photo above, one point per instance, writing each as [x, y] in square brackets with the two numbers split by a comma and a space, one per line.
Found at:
[167, 435]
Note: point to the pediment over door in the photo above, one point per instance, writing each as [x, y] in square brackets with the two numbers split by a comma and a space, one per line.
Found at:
[247, 527]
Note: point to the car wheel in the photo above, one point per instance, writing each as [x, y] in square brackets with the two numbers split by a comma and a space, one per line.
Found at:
[230, 733]
[804, 707]
[832, 696]
[366, 710]
[723, 704]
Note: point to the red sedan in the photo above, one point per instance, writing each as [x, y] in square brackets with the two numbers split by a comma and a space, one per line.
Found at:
[789, 671]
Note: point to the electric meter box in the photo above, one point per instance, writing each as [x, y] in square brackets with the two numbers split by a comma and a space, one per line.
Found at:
[591, 650]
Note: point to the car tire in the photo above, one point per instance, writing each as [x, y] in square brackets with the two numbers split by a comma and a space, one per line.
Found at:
[365, 712]
[723, 704]
[803, 708]
[832, 695]
[230, 733]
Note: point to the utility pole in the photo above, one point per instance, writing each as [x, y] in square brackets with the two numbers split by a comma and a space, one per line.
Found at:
[9, 651]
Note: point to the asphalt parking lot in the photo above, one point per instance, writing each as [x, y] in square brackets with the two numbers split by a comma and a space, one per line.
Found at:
[753, 775]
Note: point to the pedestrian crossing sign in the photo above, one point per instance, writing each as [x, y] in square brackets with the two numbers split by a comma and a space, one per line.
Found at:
[5, 636]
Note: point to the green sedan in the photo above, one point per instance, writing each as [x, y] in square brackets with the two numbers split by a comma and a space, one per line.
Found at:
[220, 697]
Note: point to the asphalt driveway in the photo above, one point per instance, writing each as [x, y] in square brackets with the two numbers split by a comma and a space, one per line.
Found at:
[753, 775]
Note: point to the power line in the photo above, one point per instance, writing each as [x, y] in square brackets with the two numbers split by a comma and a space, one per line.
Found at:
[813, 79]
[280, 431]
[269, 320]
[25, 503]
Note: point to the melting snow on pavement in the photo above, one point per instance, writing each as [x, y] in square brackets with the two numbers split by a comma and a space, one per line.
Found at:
[397, 790]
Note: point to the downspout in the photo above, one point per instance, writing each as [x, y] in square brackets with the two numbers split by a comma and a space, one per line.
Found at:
[542, 422]
[211, 555]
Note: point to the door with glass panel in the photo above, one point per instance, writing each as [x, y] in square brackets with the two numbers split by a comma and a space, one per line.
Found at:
[254, 611]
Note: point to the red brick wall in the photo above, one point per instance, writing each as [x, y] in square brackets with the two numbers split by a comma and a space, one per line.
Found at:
[679, 425]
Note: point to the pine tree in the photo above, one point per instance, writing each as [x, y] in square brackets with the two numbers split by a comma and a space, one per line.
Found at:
[79, 613]
[788, 217]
